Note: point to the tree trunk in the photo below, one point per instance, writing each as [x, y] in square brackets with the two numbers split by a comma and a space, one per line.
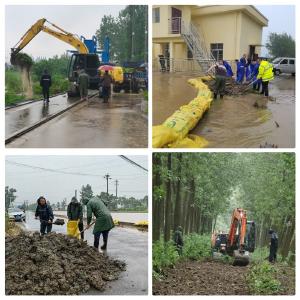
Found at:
[177, 207]
[168, 202]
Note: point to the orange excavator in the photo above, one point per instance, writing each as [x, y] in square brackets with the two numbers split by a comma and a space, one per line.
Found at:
[240, 240]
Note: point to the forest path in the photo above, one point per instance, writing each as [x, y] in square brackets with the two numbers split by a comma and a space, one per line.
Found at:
[215, 278]
[202, 278]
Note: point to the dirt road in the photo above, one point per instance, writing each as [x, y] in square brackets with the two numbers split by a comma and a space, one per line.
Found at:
[215, 278]
[202, 278]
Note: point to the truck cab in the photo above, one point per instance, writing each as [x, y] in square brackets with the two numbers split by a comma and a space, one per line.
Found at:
[90, 63]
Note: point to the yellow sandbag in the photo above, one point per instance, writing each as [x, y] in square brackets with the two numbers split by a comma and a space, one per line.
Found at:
[191, 141]
[184, 120]
[72, 229]
[161, 136]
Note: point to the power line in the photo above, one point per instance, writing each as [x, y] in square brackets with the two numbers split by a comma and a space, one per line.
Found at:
[133, 162]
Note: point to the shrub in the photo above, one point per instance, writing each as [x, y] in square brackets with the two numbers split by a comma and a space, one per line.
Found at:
[197, 246]
[262, 279]
[163, 255]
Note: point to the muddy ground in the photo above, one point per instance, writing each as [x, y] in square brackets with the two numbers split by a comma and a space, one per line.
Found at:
[55, 264]
[233, 121]
[202, 278]
[213, 278]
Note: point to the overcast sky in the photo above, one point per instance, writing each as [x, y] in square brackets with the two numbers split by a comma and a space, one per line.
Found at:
[77, 19]
[281, 19]
[31, 183]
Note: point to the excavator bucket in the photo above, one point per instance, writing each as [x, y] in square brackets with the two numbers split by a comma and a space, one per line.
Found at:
[240, 258]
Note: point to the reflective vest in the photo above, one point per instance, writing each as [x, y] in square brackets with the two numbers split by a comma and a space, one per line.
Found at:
[265, 71]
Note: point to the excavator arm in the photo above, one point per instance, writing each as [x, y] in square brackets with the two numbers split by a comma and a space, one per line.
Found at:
[236, 237]
[61, 34]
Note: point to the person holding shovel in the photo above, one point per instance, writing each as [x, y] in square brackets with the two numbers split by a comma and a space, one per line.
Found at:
[75, 213]
[45, 214]
[104, 222]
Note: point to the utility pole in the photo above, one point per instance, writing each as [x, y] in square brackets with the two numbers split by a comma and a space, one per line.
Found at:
[107, 177]
[76, 194]
[116, 183]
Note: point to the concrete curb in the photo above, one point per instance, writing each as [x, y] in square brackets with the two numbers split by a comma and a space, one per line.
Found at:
[42, 121]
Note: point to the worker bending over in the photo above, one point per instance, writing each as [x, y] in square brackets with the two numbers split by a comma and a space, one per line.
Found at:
[44, 213]
[104, 222]
[221, 74]
[75, 213]
[265, 73]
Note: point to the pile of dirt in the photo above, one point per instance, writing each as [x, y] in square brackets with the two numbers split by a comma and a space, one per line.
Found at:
[202, 278]
[232, 88]
[55, 264]
[24, 63]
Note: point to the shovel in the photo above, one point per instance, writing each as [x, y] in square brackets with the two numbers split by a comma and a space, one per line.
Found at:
[87, 228]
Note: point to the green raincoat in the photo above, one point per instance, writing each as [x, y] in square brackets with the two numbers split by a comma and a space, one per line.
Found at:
[104, 220]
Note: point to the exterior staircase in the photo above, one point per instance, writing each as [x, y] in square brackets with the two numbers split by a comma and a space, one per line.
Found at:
[196, 44]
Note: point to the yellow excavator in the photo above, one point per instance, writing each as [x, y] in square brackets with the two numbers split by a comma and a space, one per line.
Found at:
[85, 57]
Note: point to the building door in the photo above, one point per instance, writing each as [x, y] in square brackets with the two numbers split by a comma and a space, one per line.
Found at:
[176, 21]
[252, 54]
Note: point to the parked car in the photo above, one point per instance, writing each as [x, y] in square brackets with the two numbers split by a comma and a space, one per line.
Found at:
[16, 214]
[284, 65]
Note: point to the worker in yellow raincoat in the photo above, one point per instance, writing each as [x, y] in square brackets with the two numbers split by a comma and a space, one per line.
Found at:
[265, 74]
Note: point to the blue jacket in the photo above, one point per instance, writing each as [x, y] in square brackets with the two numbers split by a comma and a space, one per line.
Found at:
[228, 68]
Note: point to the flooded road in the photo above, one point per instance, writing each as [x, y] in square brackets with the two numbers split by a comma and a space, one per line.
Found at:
[93, 124]
[126, 244]
[233, 121]
[26, 115]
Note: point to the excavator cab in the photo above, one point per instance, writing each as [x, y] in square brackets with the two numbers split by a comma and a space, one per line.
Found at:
[90, 63]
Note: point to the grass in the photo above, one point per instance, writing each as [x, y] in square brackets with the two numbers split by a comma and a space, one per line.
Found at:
[14, 89]
[262, 279]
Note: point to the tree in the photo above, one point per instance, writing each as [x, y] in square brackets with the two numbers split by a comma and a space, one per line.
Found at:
[281, 45]
[127, 33]
[10, 196]
[86, 193]
[64, 204]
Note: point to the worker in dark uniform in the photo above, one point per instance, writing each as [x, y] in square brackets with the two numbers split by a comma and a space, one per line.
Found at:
[83, 83]
[273, 246]
[106, 82]
[45, 83]
[45, 214]
[178, 239]
[220, 74]
[75, 213]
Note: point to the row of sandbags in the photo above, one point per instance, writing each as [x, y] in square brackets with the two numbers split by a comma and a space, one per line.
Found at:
[174, 132]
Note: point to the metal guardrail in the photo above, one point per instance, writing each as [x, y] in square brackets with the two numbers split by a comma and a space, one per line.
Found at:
[185, 65]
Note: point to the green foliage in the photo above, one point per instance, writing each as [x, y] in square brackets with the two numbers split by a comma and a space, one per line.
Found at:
[163, 255]
[127, 33]
[197, 246]
[262, 279]
[146, 95]
[57, 68]
[281, 45]
[10, 196]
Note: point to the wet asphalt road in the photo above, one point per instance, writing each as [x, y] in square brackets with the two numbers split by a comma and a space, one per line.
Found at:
[26, 115]
[92, 124]
[126, 244]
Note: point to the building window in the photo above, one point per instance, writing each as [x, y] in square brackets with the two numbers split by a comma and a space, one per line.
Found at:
[156, 15]
[217, 50]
